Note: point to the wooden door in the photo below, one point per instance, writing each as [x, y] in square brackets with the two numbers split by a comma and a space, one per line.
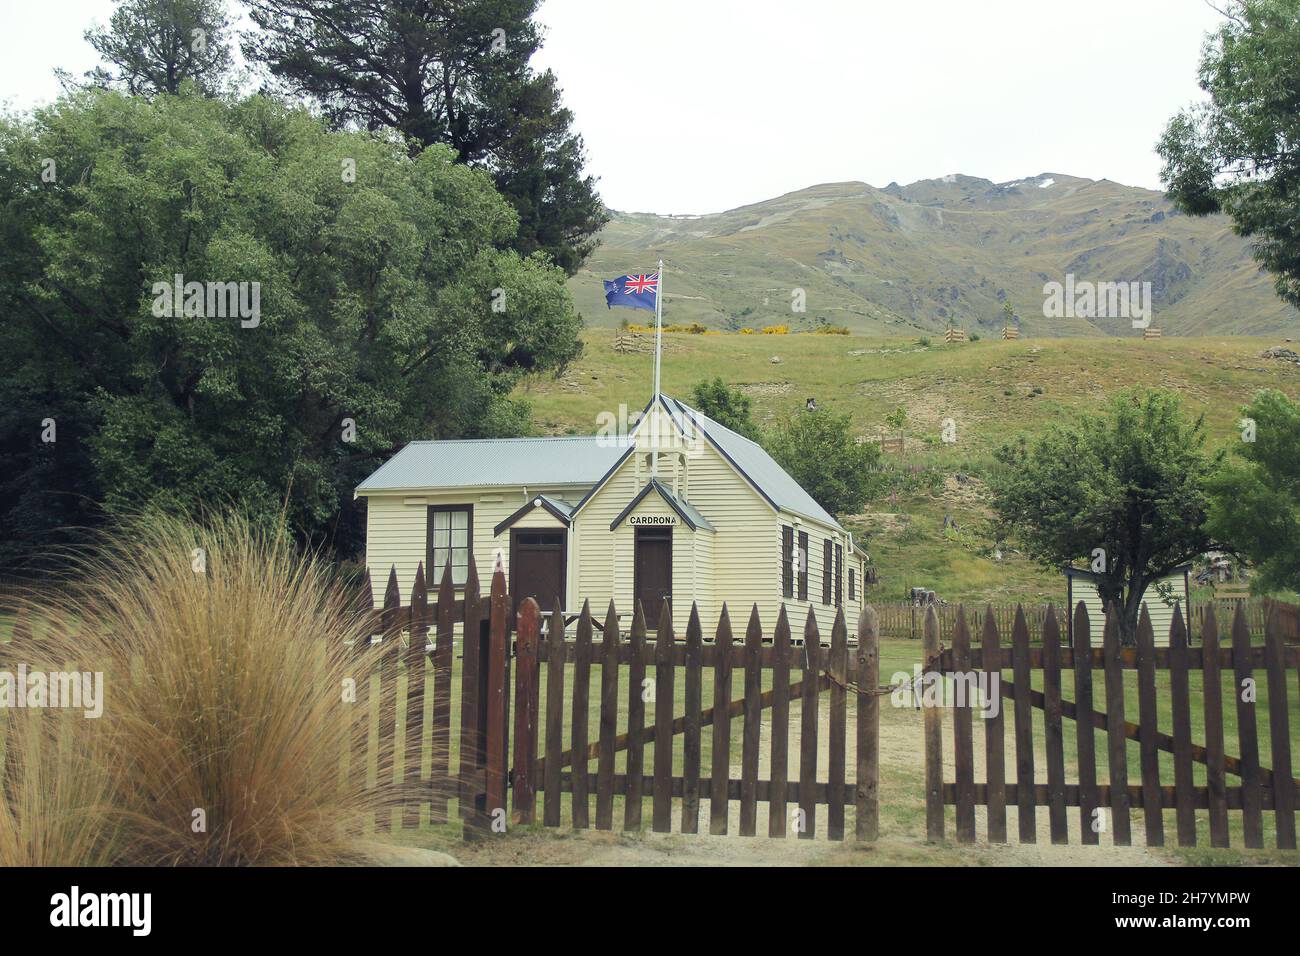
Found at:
[537, 560]
[653, 571]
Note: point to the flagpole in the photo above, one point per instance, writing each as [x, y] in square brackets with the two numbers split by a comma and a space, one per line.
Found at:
[659, 340]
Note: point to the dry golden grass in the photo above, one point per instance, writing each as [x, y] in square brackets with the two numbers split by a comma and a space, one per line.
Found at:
[52, 811]
[224, 718]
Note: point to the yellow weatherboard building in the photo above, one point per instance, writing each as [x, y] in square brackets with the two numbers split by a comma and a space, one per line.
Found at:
[679, 507]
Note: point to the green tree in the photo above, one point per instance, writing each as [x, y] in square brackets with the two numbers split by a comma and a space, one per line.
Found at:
[1256, 498]
[1237, 153]
[153, 46]
[726, 406]
[454, 72]
[387, 310]
[819, 450]
[1132, 483]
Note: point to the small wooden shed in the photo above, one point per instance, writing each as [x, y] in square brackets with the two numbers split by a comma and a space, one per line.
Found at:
[1080, 585]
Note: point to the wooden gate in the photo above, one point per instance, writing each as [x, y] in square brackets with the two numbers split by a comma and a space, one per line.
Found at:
[582, 752]
[678, 781]
[1262, 788]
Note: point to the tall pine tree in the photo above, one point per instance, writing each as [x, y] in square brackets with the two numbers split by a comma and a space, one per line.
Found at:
[152, 46]
[445, 71]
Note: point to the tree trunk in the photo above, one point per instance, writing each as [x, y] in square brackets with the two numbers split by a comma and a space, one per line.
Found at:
[1132, 610]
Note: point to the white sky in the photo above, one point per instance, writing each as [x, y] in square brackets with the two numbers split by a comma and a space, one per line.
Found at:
[704, 105]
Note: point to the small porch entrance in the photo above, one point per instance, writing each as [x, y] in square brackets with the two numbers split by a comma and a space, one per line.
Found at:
[653, 571]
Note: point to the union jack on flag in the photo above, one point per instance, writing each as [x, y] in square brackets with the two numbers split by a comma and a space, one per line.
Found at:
[633, 291]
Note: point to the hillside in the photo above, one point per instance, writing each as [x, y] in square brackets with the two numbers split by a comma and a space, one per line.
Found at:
[993, 390]
[916, 257]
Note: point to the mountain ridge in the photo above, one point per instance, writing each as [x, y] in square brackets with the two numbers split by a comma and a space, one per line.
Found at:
[915, 258]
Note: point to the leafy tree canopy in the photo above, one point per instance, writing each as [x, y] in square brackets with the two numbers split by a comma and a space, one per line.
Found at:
[1237, 154]
[445, 71]
[387, 310]
[1256, 498]
[819, 451]
[725, 405]
[1133, 483]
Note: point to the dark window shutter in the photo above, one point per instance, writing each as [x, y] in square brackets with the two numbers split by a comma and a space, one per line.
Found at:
[826, 571]
[803, 565]
[839, 575]
[787, 555]
[853, 594]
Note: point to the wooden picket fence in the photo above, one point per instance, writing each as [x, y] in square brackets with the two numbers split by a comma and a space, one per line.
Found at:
[902, 619]
[547, 764]
[1262, 788]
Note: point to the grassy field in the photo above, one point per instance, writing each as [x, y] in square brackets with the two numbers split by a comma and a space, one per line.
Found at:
[994, 391]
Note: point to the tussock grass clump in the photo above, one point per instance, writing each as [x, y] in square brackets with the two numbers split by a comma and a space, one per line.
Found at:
[225, 719]
[54, 801]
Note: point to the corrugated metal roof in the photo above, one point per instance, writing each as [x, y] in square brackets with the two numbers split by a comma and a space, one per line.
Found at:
[760, 467]
[576, 460]
[561, 460]
[564, 507]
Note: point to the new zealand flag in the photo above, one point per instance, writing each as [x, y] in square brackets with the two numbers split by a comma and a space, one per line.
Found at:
[633, 292]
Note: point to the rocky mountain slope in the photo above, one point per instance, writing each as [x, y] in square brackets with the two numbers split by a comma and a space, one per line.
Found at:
[917, 257]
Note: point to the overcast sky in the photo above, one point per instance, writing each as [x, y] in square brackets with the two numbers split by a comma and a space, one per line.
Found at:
[703, 105]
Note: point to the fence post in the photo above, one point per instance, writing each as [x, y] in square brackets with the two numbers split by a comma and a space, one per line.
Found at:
[933, 731]
[494, 685]
[1279, 731]
[1148, 749]
[868, 776]
[1053, 728]
[1215, 775]
[962, 730]
[392, 620]
[526, 683]
[554, 716]
[608, 721]
[415, 657]
[994, 731]
[1252, 800]
[440, 739]
[471, 722]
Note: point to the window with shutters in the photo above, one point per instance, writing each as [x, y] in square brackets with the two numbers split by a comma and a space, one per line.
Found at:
[853, 596]
[839, 575]
[803, 565]
[827, 568]
[787, 561]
